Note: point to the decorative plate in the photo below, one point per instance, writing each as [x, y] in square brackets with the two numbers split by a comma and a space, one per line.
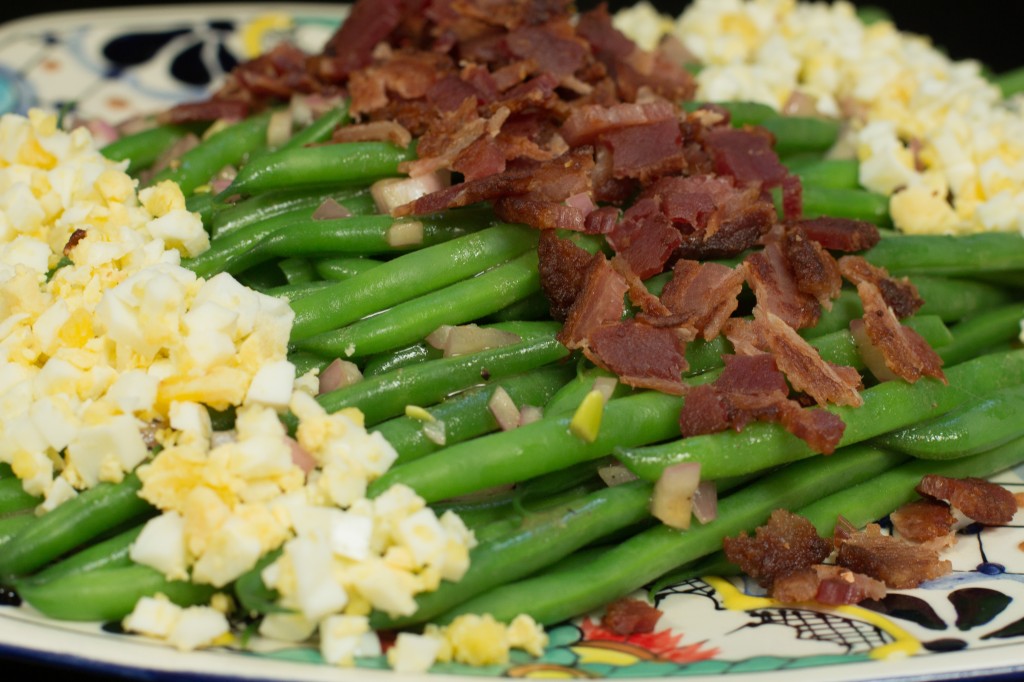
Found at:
[114, 64]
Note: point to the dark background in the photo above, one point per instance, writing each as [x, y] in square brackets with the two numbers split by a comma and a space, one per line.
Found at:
[988, 30]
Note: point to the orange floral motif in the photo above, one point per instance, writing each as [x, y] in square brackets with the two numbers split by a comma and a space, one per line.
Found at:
[662, 644]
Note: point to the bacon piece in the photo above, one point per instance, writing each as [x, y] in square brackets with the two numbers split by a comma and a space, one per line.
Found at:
[896, 562]
[702, 296]
[746, 337]
[595, 26]
[787, 542]
[627, 616]
[840, 234]
[449, 134]
[770, 275]
[905, 352]
[562, 266]
[747, 155]
[705, 410]
[804, 367]
[825, 584]
[820, 429]
[976, 498]
[386, 131]
[540, 214]
[899, 294]
[602, 220]
[640, 355]
[600, 302]
[645, 238]
[646, 151]
[925, 522]
[814, 269]
[650, 305]
[587, 122]
[483, 157]
[206, 110]
[553, 48]
[351, 46]
[511, 15]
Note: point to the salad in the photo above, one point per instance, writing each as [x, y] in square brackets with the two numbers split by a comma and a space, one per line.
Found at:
[472, 323]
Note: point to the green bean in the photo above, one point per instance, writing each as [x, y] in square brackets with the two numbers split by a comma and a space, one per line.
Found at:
[107, 594]
[297, 270]
[404, 323]
[337, 269]
[11, 525]
[533, 307]
[829, 173]
[802, 134]
[205, 204]
[294, 292]
[225, 147]
[439, 267]
[540, 540]
[568, 398]
[13, 497]
[72, 524]
[556, 595]
[110, 553]
[846, 203]
[948, 255]
[887, 406]
[981, 332]
[297, 203]
[982, 423]
[534, 449]
[405, 356]
[143, 148]
[285, 236]
[304, 362]
[334, 165]
[386, 395]
[466, 415]
[5, 470]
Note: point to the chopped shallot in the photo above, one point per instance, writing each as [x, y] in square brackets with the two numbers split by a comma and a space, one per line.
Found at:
[338, 374]
[390, 193]
[279, 128]
[606, 386]
[672, 502]
[615, 474]
[504, 409]
[301, 457]
[405, 233]
[469, 338]
[529, 414]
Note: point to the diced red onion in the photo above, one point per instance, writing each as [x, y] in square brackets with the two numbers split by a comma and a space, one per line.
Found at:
[301, 111]
[672, 502]
[330, 209]
[705, 501]
[301, 457]
[504, 409]
[102, 132]
[338, 374]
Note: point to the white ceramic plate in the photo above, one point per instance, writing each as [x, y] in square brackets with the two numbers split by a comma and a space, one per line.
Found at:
[114, 64]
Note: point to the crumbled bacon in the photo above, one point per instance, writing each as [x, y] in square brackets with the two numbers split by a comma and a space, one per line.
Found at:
[645, 238]
[976, 498]
[600, 302]
[76, 236]
[562, 267]
[826, 584]
[896, 562]
[805, 368]
[899, 294]
[815, 270]
[702, 296]
[640, 355]
[787, 542]
[384, 131]
[627, 616]
[924, 522]
[771, 277]
[904, 351]
[840, 234]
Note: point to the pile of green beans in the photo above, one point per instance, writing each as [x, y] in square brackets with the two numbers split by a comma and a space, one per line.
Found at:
[556, 541]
